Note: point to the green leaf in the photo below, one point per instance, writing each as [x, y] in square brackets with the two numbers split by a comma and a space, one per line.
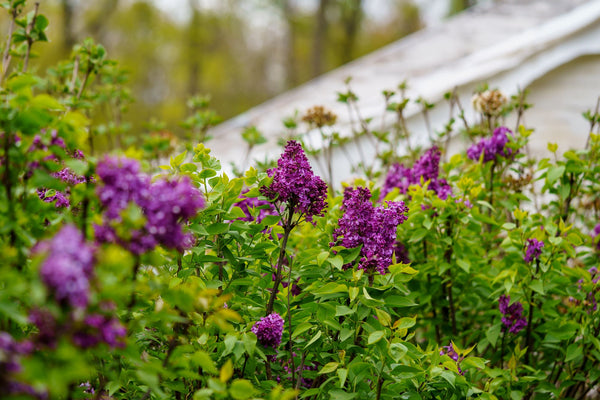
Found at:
[383, 317]
[322, 257]
[217, 228]
[397, 351]
[375, 337]
[203, 360]
[343, 310]
[573, 351]
[554, 173]
[226, 371]
[241, 389]
[328, 368]
[493, 333]
[300, 329]
[342, 373]
[313, 340]
[405, 323]
[337, 262]
[537, 286]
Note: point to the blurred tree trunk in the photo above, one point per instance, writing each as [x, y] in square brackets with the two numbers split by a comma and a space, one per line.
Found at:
[457, 6]
[352, 14]
[290, 48]
[69, 38]
[97, 23]
[194, 48]
[320, 39]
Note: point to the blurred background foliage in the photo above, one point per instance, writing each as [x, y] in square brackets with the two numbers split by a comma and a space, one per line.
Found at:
[240, 52]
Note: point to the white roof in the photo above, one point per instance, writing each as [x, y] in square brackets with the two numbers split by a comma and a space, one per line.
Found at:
[507, 43]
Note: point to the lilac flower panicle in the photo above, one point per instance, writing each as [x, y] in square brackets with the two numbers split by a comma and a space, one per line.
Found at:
[492, 147]
[100, 329]
[295, 183]
[373, 228]
[512, 319]
[425, 169]
[533, 250]
[594, 234]
[165, 203]
[246, 203]
[46, 324]
[269, 330]
[451, 352]
[122, 183]
[68, 267]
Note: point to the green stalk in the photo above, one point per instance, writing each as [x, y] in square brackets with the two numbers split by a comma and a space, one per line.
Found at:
[287, 229]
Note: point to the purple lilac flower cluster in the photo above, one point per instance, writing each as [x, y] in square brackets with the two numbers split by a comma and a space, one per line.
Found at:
[533, 250]
[247, 203]
[294, 183]
[166, 204]
[491, 147]
[60, 199]
[512, 319]
[451, 352]
[590, 302]
[10, 353]
[426, 168]
[269, 330]
[68, 267]
[373, 228]
[401, 252]
[595, 233]
[304, 382]
[294, 291]
[98, 328]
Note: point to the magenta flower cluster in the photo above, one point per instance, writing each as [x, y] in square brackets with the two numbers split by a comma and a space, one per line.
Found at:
[373, 228]
[166, 205]
[264, 208]
[11, 352]
[595, 233]
[269, 330]
[295, 184]
[451, 352]
[533, 250]
[425, 169]
[492, 147]
[512, 315]
[68, 266]
[59, 198]
[98, 328]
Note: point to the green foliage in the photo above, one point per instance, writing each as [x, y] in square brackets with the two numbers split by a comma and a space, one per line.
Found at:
[430, 328]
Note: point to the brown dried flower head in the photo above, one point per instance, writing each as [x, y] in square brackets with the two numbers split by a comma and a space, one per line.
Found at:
[489, 102]
[319, 116]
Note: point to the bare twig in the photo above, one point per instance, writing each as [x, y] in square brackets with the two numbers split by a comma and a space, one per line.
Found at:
[29, 39]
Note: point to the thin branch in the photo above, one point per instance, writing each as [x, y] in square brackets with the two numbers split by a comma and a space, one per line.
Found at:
[29, 39]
